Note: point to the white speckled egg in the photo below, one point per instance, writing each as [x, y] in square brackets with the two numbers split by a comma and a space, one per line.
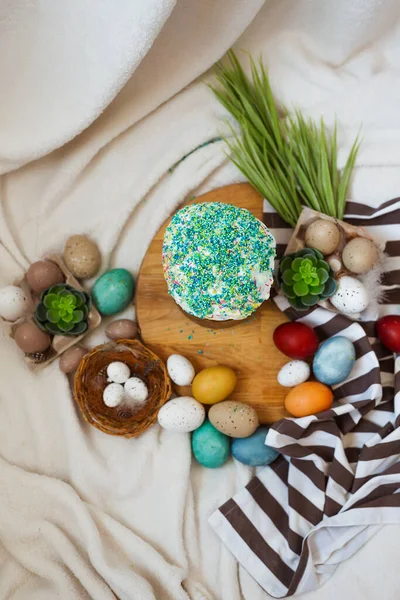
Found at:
[181, 415]
[136, 390]
[294, 373]
[113, 395]
[351, 296]
[180, 369]
[118, 372]
[14, 303]
[360, 255]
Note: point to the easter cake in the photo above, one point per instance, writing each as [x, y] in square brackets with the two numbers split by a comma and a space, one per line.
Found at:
[218, 261]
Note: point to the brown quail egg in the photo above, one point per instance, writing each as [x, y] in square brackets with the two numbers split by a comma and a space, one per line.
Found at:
[71, 358]
[43, 274]
[30, 338]
[122, 329]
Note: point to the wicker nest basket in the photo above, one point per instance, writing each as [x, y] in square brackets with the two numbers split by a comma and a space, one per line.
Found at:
[91, 379]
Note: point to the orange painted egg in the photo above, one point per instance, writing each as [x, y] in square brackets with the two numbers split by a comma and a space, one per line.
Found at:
[308, 398]
[213, 384]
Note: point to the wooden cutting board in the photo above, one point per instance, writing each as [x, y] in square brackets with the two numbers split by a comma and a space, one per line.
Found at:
[246, 347]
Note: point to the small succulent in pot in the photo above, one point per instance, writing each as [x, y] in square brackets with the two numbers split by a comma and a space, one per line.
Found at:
[63, 310]
[305, 278]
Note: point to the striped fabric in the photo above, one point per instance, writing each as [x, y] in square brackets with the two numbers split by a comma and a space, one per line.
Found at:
[338, 479]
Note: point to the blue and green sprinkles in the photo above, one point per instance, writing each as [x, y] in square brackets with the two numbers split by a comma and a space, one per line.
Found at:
[218, 261]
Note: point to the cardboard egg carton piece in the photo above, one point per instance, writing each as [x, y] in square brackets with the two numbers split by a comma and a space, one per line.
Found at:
[60, 343]
[347, 233]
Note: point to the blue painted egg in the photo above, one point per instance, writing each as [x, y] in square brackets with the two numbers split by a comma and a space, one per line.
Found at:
[252, 450]
[211, 448]
[334, 360]
[113, 291]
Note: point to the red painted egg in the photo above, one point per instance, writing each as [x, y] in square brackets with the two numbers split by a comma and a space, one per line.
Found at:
[296, 340]
[388, 329]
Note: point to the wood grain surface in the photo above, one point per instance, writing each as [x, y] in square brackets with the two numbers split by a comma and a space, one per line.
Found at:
[247, 347]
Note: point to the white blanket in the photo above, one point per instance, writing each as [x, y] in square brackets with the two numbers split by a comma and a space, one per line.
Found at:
[88, 516]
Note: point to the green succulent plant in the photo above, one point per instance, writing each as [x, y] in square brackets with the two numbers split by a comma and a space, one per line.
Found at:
[63, 310]
[305, 278]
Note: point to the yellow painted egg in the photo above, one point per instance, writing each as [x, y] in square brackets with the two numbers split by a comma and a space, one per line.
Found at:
[236, 419]
[308, 399]
[214, 384]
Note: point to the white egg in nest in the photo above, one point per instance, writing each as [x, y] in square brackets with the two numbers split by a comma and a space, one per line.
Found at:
[136, 390]
[180, 369]
[14, 303]
[113, 395]
[118, 372]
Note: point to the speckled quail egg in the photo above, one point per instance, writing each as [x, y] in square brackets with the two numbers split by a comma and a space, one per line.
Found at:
[294, 373]
[14, 303]
[182, 415]
[323, 235]
[113, 395]
[180, 369]
[118, 372]
[360, 255]
[236, 419]
[351, 296]
[136, 390]
[82, 256]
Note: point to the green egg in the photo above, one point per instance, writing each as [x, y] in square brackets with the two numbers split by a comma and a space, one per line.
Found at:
[113, 291]
[211, 448]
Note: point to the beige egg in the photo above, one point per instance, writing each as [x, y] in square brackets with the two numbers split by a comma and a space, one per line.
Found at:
[71, 358]
[236, 419]
[122, 329]
[360, 255]
[30, 338]
[82, 256]
[43, 274]
[323, 235]
[335, 263]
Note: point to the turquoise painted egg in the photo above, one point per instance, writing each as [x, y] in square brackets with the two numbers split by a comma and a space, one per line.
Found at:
[334, 360]
[211, 448]
[113, 291]
[252, 450]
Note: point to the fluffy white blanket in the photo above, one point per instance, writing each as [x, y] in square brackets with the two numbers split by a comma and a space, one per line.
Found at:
[88, 516]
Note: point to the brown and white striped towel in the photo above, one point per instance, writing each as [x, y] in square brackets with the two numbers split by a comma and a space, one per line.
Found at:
[338, 479]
